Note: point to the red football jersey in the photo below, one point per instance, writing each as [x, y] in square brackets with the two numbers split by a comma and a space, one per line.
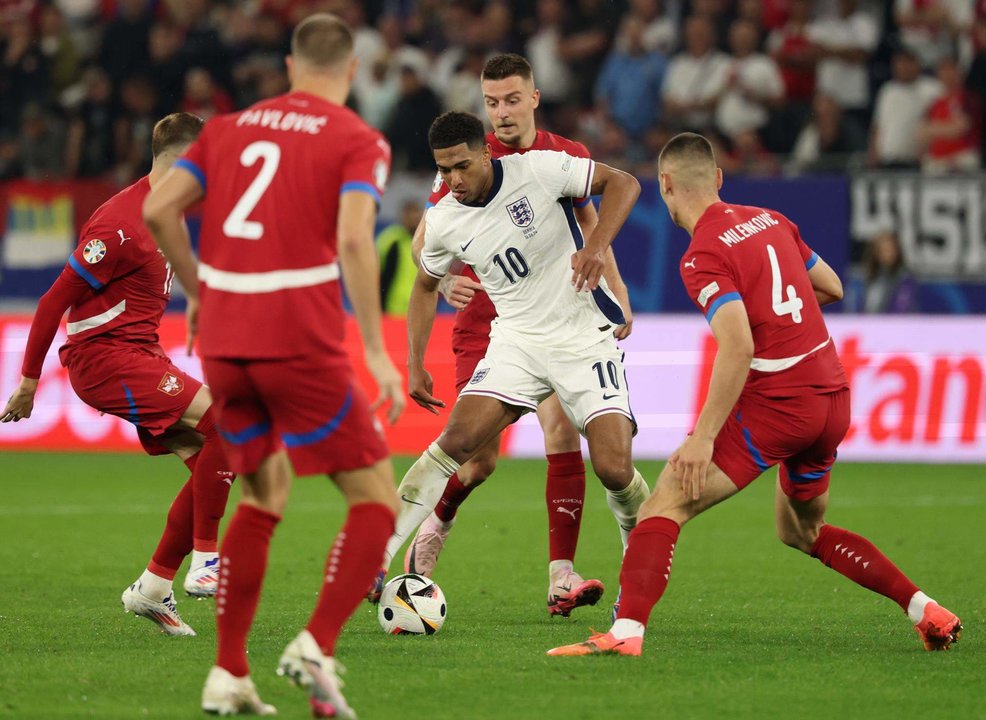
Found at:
[477, 316]
[273, 175]
[757, 256]
[130, 279]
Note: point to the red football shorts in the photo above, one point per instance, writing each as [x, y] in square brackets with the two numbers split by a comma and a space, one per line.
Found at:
[469, 349]
[311, 406]
[801, 433]
[137, 383]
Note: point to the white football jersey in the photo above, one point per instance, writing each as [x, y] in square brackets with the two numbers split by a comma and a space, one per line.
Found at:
[520, 242]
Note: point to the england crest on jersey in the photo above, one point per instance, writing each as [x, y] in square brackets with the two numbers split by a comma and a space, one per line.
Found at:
[520, 212]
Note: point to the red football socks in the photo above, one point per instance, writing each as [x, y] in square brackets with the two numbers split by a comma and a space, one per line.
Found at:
[646, 567]
[860, 561]
[211, 482]
[564, 494]
[455, 494]
[176, 541]
[243, 561]
[353, 561]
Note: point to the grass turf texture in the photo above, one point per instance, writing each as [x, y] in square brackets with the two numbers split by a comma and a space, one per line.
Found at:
[747, 629]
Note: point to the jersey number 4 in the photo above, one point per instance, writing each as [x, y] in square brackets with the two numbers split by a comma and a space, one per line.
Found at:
[236, 224]
[792, 306]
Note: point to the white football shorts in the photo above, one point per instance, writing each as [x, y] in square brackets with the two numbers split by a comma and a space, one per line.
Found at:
[589, 382]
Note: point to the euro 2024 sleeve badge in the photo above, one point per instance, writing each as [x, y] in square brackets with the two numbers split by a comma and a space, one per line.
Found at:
[94, 251]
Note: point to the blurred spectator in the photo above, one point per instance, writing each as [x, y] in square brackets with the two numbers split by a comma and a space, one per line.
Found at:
[41, 145]
[259, 69]
[589, 27]
[464, 30]
[715, 11]
[167, 63]
[23, 74]
[753, 84]
[829, 141]
[408, 131]
[463, 91]
[202, 45]
[133, 129]
[950, 132]
[629, 86]
[845, 44]
[397, 268]
[695, 79]
[368, 42]
[793, 51]
[888, 287]
[552, 75]
[378, 94]
[900, 106]
[975, 80]
[751, 10]
[660, 32]
[124, 51]
[203, 97]
[746, 155]
[775, 13]
[928, 27]
[58, 46]
[90, 148]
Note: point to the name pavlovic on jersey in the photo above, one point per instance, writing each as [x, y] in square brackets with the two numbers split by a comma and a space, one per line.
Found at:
[520, 242]
[757, 256]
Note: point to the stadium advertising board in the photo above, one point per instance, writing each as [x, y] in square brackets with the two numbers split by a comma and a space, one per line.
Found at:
[909, 404]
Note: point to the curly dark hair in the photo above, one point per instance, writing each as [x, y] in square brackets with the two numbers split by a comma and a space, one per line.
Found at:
[454, 128]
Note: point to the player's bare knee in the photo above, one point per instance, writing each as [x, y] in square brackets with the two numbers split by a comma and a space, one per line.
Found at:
[560, 436]
[615, 473]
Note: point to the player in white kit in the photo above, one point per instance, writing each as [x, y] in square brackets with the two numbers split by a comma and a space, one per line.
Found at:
[512, 220]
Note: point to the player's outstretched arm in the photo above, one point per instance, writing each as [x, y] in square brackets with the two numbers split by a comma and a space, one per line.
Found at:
[361, 273]
[619, 192]
[420, 319]
[731, 328]
[67, 289]
[826, 282]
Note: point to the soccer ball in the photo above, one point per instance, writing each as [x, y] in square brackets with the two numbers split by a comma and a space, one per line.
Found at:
[411, 605]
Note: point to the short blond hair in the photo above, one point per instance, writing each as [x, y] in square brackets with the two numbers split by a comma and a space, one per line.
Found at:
[322, 40]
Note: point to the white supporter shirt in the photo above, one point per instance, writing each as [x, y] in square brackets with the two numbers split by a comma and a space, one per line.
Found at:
[520, 243]
[847, 83]
[691, 79]
[900, 107]
[735, 112]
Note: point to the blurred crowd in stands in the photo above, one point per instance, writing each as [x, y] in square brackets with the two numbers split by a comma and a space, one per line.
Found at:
[783, 86]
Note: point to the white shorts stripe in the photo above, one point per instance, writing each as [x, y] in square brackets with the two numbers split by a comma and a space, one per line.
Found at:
[74, 328]
[763, 365]
[265, 282]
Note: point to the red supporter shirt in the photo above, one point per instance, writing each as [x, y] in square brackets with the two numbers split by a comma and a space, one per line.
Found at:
[757, 256]
[948, 108]
[472, 324]
[129, 278]
[273, 175]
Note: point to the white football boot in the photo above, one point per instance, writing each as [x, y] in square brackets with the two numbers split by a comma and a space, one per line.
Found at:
[226, 694]
[305, 666]
[202, 581]
[164, 612]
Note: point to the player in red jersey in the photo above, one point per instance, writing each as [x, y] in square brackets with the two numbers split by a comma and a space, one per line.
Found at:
[778, 396]
[116, 286]
[290, 189]
[511, 99]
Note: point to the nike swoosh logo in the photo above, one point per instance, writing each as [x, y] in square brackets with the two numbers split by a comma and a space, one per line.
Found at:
[466, 245]
[406, 499]
[610, 397]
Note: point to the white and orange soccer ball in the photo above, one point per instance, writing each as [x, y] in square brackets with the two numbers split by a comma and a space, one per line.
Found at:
[411, 605]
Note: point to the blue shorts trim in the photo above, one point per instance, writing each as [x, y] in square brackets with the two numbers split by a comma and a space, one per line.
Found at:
[246, 435]
[83, 273]
[320, 433]
[133, 417]
[807, 477]
[754, 453]
[191, 167]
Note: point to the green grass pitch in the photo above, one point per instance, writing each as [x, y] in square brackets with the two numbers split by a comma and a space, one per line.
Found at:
[747, 629]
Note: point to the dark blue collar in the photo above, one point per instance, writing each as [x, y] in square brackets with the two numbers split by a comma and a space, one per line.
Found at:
[494, 188]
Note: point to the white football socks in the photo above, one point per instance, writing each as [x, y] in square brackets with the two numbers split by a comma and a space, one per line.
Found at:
[915, 608]
[420, 491]
[200, 558]
[626, 502]
[558, 568]
[625, 628]
[154, 586]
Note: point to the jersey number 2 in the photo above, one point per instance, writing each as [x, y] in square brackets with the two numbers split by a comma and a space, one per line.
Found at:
[236, 224]
[792, 306]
